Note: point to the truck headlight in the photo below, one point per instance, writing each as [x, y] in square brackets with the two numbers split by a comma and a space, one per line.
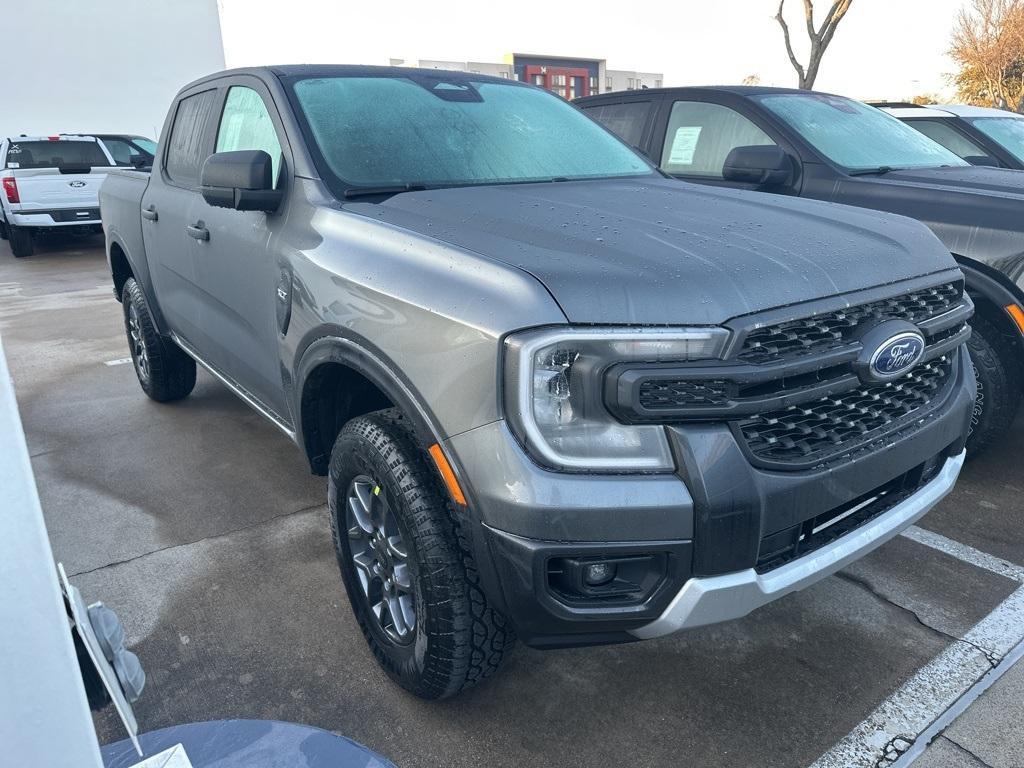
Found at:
[553, 393]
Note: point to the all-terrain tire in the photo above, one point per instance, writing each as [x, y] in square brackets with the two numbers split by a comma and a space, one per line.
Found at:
[165, 372]
[997, 370]
[22, 242]
[458, 639]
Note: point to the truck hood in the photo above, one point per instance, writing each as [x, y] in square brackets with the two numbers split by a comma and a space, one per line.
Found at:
[1001, 182]
[657, 251]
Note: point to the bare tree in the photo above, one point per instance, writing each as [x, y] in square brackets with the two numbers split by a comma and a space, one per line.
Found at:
[820, 38]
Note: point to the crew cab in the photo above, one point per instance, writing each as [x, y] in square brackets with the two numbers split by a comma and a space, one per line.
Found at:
[555, 394]
[815, 145]
[980, 135]
[49, 183]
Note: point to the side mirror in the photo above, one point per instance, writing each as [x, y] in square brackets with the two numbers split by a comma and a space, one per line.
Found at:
[241, 180]
[765, 166]
[986, 160]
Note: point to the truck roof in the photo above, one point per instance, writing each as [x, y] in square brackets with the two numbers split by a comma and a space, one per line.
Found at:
[56, 137]
[342, 70]
[739, 90]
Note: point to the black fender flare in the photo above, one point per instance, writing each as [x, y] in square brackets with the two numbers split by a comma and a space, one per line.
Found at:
[983, 281]
[362, 357]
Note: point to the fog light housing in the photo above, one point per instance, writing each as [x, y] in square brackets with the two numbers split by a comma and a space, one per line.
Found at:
[596, 574]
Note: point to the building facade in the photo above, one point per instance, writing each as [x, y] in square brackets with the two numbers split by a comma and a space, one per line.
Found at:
[567, 76]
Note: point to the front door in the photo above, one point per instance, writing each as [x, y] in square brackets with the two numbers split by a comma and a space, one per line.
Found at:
[238, 266]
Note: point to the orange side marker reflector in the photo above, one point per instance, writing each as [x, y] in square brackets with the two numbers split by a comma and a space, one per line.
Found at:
[447, 475]
[1015, 312]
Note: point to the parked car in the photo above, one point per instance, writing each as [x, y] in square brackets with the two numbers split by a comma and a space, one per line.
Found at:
[49, 183]
[979, 135]
[128, 150]
[556, 395]
[816, 145]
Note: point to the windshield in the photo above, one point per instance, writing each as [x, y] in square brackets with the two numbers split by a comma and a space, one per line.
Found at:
[856, 136]
[55, 154]
[1007, 132]
[385, 131]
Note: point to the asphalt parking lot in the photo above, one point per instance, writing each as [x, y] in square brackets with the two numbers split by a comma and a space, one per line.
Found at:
[201, 525]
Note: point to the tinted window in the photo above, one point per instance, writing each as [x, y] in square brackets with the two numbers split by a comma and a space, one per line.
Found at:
[856, 136]
[186, 149]
[395, 130]
[126, 152]
[55, 154]
[947, 136]
[626, 121]
[1007, 132]
[246, 124]
[700, 136]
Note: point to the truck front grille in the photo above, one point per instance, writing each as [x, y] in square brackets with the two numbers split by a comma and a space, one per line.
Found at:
[817, 430]
[818, 333]
[673, 393]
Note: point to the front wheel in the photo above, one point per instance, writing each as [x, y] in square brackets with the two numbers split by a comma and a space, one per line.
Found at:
[409, 575]
[999, 390]
[22, 242]
[164, 371]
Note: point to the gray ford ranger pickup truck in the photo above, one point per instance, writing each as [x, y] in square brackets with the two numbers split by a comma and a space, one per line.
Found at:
[556, 395]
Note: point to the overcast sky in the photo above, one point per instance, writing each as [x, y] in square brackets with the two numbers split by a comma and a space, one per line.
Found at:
[884, 48]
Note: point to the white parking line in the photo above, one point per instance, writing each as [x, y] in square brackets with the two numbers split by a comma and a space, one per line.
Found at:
[893, 728]
[119, 361]
[965, 553]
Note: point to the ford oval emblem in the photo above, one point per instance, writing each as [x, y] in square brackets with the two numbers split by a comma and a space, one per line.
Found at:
[896, 355]
[76, 183]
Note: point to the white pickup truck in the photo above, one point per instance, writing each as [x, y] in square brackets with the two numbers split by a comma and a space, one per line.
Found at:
[49, 182]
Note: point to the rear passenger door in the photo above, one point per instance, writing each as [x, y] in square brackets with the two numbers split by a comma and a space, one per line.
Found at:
[242, 272]
[167, 210]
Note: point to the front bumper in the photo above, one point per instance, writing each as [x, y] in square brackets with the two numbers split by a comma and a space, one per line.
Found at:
[705, 530]
[712, 599]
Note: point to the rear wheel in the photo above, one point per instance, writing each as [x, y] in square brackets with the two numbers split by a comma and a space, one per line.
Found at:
[3, 230]
[409, 575]
[996, 368]
[22, 242]
[165, 372]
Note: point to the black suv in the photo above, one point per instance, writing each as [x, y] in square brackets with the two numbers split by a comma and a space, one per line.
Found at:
[816, 145]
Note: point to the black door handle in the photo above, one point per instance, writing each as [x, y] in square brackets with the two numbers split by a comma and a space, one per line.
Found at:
[150, 214]
[198, 231]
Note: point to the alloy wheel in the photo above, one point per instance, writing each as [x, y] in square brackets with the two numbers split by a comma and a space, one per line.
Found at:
[138, 341]
[381, 560]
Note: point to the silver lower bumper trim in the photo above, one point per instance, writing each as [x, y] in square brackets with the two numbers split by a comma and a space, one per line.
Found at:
[712, 599]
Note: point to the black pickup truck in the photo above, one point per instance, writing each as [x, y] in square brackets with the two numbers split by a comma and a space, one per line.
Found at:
[816, 145]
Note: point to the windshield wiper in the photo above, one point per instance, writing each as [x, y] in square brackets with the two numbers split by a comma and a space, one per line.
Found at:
[394, 189]
[880, 170]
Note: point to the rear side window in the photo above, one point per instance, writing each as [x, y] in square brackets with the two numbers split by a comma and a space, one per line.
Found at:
[186, 148]
[246, 124]
[55, 154]
[126, 152]
[701, 135]
[949, 137]
[626, 121]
